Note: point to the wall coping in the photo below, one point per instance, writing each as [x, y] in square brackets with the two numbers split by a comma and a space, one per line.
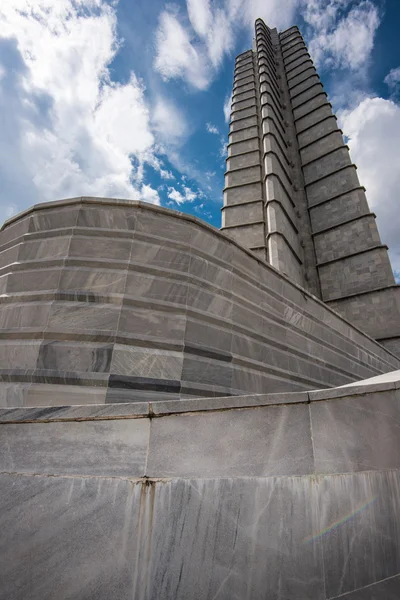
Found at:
[163, 408]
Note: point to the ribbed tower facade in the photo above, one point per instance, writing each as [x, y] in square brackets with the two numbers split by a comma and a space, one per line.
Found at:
[292, 194]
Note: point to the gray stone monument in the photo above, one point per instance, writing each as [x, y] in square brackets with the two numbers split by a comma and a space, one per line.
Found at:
[184, 415]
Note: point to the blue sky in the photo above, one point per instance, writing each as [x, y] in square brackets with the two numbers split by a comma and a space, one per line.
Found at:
[130, 99]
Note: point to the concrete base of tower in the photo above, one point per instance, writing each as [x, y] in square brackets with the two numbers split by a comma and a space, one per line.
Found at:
[264, 496]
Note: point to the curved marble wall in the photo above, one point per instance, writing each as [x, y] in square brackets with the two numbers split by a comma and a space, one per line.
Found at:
[112, 301]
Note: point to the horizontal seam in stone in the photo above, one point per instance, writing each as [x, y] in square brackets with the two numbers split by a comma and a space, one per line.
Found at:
[353, 189]
[237, 79]
[271, 92]
[339, 170]
[302, 80]
[313, 109]
[322, 231]
[278, 143]
[250, 137]
[243, 119]
[323, 155]
[238, 185]
[274, 200]
[236, 72]
[261, 222]
[265, 77]
[242, 168]
[315, 74]
[236, 204]
[332, 116]
[269, 175]
[289, 245]
[275, 109]
[318, 82]
[320, 93]
[244, 99]
[290, 50]
[244, 154]
[252, 106]
[245, 53]
[295, 35]
[283, 34]
[287, 71]
[370, 249]
[388, 337]
[306, 53]
[269, 133]
[321, 138]
[365, 292]
[252, 85]
[253, 137]
[280, 162]
[269, 54]
[265, 60]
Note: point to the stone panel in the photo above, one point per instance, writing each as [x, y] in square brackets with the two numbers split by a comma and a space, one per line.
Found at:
[333, 185]
[319, 114]
[243, 160]
[309, 93]
[243, 175]
[358, 273]
[317, 131]
[242, 193]
[279, 439]
[357, 235]
[113, 448]
[246, 146]
[237, 215]
[312, 104]
[321, 146]
[348, 206]
[325, 165]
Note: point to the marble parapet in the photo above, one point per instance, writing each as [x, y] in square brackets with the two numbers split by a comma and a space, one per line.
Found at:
[261, 496]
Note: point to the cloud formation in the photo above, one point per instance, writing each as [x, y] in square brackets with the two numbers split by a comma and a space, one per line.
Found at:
[72, 130]
[341, 33]
[373, 129]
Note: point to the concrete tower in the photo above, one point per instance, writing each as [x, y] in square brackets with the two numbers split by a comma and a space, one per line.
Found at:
[292, 194]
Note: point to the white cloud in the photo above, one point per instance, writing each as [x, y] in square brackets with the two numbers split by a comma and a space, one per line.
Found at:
[212, 129]
[147, 194]
[176, 56]
[392, 80]
[188, 195]
[169, 122]
[70, 130]
[193, 46]
[227, 108]
[338, 38]
[373, 129]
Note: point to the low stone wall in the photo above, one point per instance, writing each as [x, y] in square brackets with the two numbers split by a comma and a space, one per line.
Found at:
[264, 496]
[112, 301]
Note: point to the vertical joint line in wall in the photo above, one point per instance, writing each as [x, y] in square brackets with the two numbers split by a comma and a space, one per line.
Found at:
[261, 150]
[310, 259]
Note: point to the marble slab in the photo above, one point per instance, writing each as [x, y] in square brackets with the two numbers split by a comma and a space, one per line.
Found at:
[68, 538]
[112, 447]
[250, 442]
[222, 539]
[357, 433]
[360, 530]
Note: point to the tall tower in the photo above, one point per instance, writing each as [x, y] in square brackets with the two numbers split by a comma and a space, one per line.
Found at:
[292, 194]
